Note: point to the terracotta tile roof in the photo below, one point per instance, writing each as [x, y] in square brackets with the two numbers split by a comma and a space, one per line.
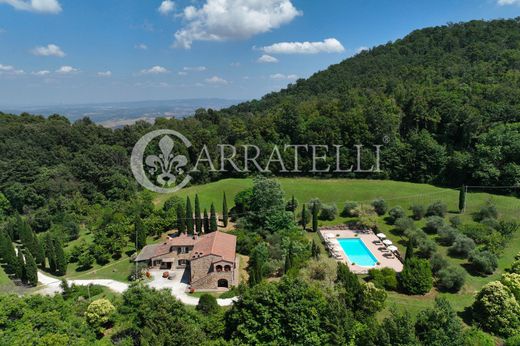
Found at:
[183, 240]
[216, 243]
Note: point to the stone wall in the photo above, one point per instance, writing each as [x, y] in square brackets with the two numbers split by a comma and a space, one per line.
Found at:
[203, 276]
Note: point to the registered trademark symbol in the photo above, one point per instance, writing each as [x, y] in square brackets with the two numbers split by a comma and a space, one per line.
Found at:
[386, 139]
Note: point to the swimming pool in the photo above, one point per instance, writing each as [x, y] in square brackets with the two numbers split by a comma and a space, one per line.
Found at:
[357, 252]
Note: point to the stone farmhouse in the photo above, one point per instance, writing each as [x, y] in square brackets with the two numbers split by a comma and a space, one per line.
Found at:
[210, 258]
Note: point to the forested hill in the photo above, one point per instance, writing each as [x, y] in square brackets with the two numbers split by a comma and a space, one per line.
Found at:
[447, 95]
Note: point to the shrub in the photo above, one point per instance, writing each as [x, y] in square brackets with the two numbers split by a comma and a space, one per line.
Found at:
[367, 216]
[416, 277]
[462, 246]
[383, 278]
[418, 211]
[483, 262]
[437, 209]
[515, 267]
[99, 312]
[379, 206]
[328, 212]
[455, 221]
[476, 337]
[447, 235]
[348, 209]
[433, 224]
[451, 278]
[438, 262]
[426, 247]
[508, 227]
[477, 232]
[491, 223]
[487, 211]
[207, 304]
[395, 213]
[404, 223]
[513, 341]
[512, 281]
[312, 202]
[496, 310]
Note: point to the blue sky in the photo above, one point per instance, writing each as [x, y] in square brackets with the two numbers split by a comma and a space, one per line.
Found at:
[79, 51]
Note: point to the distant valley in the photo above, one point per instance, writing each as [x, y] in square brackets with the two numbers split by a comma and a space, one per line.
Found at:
[119, 114]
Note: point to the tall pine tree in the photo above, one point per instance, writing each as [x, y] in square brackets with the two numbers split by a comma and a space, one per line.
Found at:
[206, 222]
[140, 233]
[189, 216]
[31, 270]
[21, 267]
[315, 217]
[213, 219]
[462, 199]
[225, 215]
[198, 220]
[50, 252]
[7, 253]
[181, 219]
[61, 259]
[304, 220]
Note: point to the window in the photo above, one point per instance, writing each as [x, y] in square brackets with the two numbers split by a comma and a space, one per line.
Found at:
[227, 268]
[182, 262]
[218, 268]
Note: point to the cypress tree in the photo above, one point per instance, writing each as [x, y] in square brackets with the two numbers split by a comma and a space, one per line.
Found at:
[31, 271]
[304, 218]
[462, 199]
[206, 222]
[189, 216]
[225, 211]
[315, 217]
[140, 233]
[213, 219]
[293, 207]
[315, 250]
[61, 259]
[20, 264]
[181, 218]
[8, 254]
[198, 221]
[289, 258]
[409, 250]
[50, 252]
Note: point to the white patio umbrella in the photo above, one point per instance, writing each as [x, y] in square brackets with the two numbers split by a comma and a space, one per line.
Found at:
[387, 242]
[381, 235]
[393, 248]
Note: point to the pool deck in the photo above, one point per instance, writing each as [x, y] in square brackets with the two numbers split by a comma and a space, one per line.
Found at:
[368, 238]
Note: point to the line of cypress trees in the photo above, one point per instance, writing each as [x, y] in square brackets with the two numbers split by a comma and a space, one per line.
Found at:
[31, 270]
[8, 254]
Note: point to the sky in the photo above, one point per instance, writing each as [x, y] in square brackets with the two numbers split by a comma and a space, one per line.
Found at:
[93, 51]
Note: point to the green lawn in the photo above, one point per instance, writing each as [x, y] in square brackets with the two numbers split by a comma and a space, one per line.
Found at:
[338, 191]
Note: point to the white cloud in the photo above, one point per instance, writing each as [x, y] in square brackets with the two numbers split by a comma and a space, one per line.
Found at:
[182, 73]
[329, 45]
[104, 74]
[216, 80]
[10, 70]
[43, 6]
[141, 46]
[41, 73]
[166, 7]
[67, 70]
[220, 20]
[195, 68]
[508, 2]
[49, 50]
[266, 59]
[361, 49]
[280, 76]
[155, 70]
[235, 64]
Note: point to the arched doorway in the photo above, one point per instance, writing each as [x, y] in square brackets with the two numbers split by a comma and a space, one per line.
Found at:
[222, 283]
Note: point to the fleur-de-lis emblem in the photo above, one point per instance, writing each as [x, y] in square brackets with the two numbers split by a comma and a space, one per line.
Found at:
[166, 161]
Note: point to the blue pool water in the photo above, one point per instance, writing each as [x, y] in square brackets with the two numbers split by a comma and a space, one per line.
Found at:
[357, 252]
